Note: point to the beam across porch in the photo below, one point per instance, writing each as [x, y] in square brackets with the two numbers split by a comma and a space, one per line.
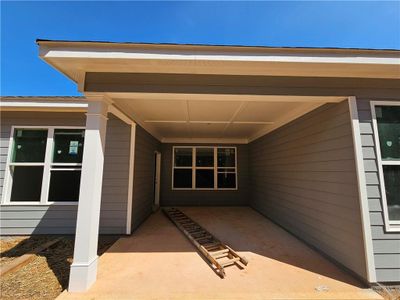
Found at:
[242, 85]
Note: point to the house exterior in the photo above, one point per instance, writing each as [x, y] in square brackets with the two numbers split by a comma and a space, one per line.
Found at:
[308, 137]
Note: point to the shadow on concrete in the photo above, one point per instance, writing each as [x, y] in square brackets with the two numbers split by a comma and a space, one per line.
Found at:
[242, 228]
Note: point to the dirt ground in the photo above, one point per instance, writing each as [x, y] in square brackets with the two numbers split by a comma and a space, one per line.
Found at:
[46, 276]
[388, 292]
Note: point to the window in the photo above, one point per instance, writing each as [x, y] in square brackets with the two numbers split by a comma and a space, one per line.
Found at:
[386, 119]
[44, 165]
[204, 168]
[182, 171]
[66, 165]
[27, 164]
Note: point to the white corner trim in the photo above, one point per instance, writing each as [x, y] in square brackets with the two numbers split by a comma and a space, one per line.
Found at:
[362, 190]
[119, 114]
[131, 179]
[7, 184]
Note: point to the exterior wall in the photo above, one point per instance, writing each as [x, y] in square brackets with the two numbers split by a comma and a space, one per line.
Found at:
[143, 186]
[386, 245]
[304, 178]
[114, 199]
[171, 197]
[61, 219]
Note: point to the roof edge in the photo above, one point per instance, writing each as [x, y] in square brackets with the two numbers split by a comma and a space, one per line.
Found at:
[42, 98]
[211, 47]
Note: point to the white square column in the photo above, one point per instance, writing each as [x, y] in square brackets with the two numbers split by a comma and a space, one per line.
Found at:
[84, 267]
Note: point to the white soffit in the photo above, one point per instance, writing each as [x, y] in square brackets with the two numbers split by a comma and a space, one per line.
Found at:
[179, 120]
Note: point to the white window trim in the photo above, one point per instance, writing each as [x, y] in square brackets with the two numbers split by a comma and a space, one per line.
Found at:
[6, 194]
[194, 168]
[390, 226]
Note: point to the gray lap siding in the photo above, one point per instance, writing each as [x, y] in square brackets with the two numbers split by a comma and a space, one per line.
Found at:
[386, 245]
[61, 219]
[303, 177]
[143, 185]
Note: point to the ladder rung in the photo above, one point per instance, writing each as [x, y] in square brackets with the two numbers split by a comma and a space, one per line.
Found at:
[229, 262]
[211, 245]
[202, 237]
[222, 255]
[206, 237]
[219, 252]
[194, 231]
[213, 248]
[199, 231]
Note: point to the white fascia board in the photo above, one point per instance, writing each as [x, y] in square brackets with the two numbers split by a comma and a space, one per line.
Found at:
[348, 58]
[44, 104]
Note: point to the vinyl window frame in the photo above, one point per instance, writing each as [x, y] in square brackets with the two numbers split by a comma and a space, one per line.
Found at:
[194, 168]
[391, 226]
[47, 168]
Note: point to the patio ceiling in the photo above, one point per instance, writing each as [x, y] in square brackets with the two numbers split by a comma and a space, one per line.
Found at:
[235, 119]
[188, 93]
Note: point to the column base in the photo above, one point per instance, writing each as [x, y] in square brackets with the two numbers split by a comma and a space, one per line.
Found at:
[82, 276]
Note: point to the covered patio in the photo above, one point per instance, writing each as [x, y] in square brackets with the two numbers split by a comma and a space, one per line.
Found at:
[273, 130]
[158, 262]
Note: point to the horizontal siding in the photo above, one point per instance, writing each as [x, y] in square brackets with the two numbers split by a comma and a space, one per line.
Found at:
[114, 199]
[386, 245]
[61, 219]
[303, 177]
[143, 186]
[237, 197]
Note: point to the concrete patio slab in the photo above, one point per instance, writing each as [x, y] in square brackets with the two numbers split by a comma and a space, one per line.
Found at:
[158, 262]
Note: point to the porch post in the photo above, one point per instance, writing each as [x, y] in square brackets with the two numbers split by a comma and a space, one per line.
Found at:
[84, 266]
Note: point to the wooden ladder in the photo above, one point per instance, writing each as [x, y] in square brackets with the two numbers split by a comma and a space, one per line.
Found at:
[217, 253]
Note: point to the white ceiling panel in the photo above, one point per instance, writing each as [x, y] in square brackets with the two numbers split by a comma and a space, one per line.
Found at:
[173, 130]
[264, 111]
[168, 110]
[220, 120]
[242, 131]
[206, 130]
[212, 110]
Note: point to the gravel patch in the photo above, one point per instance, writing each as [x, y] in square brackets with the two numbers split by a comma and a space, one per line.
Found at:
[46, 276]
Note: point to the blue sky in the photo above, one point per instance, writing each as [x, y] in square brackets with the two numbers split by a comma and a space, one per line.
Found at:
[359, 24]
